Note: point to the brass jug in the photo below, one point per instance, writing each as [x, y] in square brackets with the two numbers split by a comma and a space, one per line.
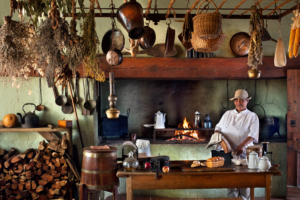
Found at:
[254, 73]
[130, 15]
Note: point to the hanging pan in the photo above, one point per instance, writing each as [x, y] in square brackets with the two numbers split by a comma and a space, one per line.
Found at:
[67, 108]
[107, 40]
[239, 44]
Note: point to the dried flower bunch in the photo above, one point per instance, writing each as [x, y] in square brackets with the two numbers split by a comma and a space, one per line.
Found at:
[52, 40]
[90, 46]
[16, 40]
[255, 55]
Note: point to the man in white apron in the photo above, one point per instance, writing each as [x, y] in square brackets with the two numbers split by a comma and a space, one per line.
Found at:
[241, 128]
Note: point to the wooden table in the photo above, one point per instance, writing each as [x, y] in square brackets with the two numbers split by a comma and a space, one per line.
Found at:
[242, 177]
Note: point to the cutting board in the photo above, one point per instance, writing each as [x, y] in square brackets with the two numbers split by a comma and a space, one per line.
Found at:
[186, 167]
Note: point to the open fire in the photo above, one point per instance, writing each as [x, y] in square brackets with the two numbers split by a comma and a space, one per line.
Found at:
[186, 132]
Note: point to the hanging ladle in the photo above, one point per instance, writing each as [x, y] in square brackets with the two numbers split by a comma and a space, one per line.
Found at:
[40, 107]
[75, 90]
[89, 104]
[67, 108]
[61, 99]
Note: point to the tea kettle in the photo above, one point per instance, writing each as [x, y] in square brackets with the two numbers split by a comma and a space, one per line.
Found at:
[159, 120]
[30, 120]
[253, 160]
[264, 164]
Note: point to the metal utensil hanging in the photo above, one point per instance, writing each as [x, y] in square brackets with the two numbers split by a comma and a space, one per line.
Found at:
[40, 107]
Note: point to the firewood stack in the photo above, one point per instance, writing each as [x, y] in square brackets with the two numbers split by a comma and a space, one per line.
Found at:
[35, 174]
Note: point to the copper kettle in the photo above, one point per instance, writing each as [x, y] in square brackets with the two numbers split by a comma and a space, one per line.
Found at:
[130, 15]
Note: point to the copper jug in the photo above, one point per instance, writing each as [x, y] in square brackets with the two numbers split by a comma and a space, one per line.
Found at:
[130, 15]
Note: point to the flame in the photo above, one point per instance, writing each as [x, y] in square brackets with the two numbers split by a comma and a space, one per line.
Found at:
[186, 125]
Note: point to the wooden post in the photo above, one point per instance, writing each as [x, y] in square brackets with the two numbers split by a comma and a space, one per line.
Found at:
[252, 194]
[268, 186]
[129, 192]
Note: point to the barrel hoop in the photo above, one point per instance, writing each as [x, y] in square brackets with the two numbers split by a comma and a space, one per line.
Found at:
[98, 172]
[106, 187]
[99, 155]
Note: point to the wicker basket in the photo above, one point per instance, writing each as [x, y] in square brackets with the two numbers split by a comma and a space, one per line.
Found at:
[207, 45]
[207, 25]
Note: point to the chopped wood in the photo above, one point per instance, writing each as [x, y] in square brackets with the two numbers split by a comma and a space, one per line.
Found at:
[60, 151]
[33, 185]
[14, 180]
[51, 191]
[53, 145]
[19, 196]
[58, 168]
[10, 153]
[11, 172]
[39, 164]
[14, 186]
[20, 186]
[2, 152]
[21, 156]
[45, 157]
[28, 185]
[42, 182]
[54, 154]
[53, 171]
[56, 186]
[65, 167]
[39, 189]
[34, 196]
[64, 142]
[2, 182]
[32, 162]
[57, 164]
[50, 196]
[27, 166]
[24, 193]
[56, 175]
[39, 172]
[42, 145]
[18, 171]
[37, 156]
[8, 192]
[63, 182]
[45, 167]
[62, 160]
[43, 197]
[28, 173]
[56, 191]
[8, 162]
[7, 177]
[63, 172]
[30, 155]
[47, 177]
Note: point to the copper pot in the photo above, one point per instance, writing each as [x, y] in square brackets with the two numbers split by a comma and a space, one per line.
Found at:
[130, 15]
[148, 40]
[239, 44]
[114, 57]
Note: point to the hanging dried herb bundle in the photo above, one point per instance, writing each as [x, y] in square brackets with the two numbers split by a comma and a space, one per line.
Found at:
[15, 42]
[90, 46]
[255, 54]
[51, 44]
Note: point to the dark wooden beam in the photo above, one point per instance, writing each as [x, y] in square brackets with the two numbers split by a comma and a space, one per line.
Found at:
[285, 13]
[162, 17]
[193, 69]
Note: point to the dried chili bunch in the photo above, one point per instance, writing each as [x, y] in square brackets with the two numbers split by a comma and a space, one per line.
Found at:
[90, 46]
[51, 45]
[255, 54]
[15, 40]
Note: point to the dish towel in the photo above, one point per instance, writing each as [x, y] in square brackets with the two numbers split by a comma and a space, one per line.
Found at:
[143, 146]
[215, 139]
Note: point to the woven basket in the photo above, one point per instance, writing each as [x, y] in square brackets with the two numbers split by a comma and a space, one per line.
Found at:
[207, 25]
[207, 45]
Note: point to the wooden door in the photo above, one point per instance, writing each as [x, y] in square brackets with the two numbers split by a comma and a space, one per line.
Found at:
[293, 134]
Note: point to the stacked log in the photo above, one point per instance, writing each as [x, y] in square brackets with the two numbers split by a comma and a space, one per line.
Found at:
[35, 174]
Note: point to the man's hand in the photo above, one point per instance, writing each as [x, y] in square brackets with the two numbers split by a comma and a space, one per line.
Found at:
[240, 149]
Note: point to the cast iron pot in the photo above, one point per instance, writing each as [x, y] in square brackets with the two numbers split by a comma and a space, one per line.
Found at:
[130, 15]
[30, 120]
[148, 40]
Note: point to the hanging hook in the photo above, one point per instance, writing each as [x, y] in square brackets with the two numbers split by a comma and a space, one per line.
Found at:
[227, 98]
[168, 23]
[257, 104]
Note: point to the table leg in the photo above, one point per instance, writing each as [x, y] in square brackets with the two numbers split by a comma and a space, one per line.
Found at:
[268, 186]
[115, 193]
[129, 188]
[252, 193]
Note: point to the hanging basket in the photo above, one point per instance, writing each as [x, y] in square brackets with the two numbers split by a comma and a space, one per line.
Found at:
[207, 25]
[207, 45]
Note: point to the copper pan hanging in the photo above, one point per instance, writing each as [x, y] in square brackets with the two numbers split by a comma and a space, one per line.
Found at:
[239, 44]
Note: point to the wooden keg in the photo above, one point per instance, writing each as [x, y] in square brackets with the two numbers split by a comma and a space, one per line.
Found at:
[257, 149]
[99, 168]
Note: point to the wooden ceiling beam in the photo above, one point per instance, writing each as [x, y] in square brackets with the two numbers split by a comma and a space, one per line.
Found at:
[250, 9]
[193, 68]
[288, 11]
[236, 8]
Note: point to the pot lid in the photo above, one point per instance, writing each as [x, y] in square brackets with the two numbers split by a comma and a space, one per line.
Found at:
[264, 158]
[239, 44]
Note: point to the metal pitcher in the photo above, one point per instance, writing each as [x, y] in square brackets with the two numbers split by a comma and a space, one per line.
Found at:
[130, 15]
[29, 120]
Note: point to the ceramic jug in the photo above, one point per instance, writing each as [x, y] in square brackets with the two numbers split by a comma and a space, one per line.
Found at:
[159, 120]
[253, 160]
[264, 164]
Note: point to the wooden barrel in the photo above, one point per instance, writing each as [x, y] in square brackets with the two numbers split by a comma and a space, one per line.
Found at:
[257, 149]
[99, 168]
